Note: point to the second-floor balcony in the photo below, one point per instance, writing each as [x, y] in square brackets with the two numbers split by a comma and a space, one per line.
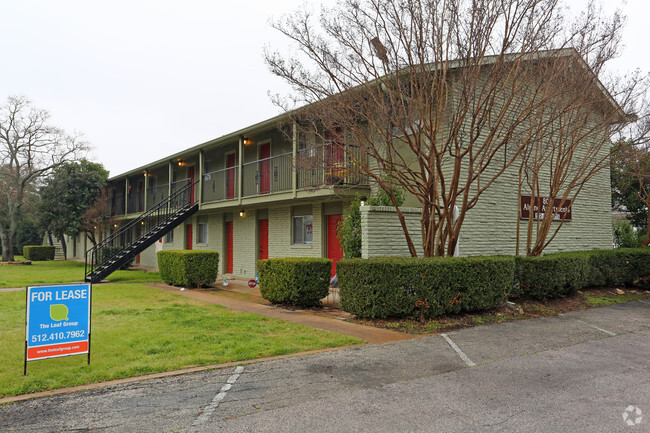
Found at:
[312, 168]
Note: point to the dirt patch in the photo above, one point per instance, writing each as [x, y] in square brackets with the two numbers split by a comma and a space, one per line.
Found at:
[16, 263]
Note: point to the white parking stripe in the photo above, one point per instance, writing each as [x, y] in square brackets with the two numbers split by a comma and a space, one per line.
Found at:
[458, 351]
[209, 409]
[596, 327]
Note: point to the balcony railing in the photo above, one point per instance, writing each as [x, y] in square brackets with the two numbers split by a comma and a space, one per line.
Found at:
[324, 165]
[267, 175]
[220, 185]
[117, 204]
[327, 165]
[157, 194]
[135, 202]
[181, 184]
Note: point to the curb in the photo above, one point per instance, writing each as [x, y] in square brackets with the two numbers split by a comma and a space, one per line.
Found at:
[91, 386]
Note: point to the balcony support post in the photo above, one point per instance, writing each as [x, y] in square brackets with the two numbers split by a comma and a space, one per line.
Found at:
[145, 206]
[240, 168]
[170, 176]
[126, 196]
[294, 159]
[200, 186]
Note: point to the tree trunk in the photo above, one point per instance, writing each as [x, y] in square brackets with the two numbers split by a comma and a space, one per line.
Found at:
[7, 249]
[8, 237]
[64, 247]
[49, 238]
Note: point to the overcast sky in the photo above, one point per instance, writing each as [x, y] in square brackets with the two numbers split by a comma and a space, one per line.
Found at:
[143, 79]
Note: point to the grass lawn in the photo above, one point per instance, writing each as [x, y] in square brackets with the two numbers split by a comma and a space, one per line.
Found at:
[59, 271]
[138, 329]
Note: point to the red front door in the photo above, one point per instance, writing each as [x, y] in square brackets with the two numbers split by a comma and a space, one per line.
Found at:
[229, 246]
[334, 250]
[188, 236]
[231, 161]
[264, 239]
[265, 168]
[190, 174]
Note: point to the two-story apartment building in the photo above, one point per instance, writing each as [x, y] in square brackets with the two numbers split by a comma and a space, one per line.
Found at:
[278, 189]
[263, 191]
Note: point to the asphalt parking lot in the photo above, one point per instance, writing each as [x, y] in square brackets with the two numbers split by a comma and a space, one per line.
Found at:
[577, 372]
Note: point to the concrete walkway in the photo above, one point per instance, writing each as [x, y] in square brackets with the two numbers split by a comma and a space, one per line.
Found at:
[368, 334]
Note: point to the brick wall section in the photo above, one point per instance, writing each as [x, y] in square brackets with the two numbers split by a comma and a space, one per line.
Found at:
[382, 234]
[245, 244]
[490, 227]
[280, 221]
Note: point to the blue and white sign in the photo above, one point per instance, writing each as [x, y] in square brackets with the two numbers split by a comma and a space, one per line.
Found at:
[58, 321]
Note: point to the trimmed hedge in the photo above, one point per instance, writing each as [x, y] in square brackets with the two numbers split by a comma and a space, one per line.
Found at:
[619, 266]
[560, 274]
[552, 275]
[188, 268]
[428, 287]
[300, 281]
[39, 252]
[391, 286]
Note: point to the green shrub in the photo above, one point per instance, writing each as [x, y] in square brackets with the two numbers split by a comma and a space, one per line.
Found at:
[349, 231]
[38, 252]
[561, 274]
[392, 286]
[619, 266]
[298, 281]
[625, 236]
[552, 275]
[188, 268]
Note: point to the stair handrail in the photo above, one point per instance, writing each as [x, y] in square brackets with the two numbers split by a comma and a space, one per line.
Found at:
[165, 205]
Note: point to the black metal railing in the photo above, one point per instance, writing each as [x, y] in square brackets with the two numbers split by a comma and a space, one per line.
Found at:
[155, 218]
[267, 175]
[328, 164]
[157, 194]
[220, 184]
[134, 202]
[117, 204]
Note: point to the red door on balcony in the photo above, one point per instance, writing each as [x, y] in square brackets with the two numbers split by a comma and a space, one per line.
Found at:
[231, 162]
[229, 247]
[190, 175]
[265, 168]
[188, 237]
[334, 250]
[264, 239]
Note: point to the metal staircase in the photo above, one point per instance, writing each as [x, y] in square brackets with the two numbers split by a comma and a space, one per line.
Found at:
[130, 240]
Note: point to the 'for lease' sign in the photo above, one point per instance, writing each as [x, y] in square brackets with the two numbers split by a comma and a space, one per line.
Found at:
[58, 321]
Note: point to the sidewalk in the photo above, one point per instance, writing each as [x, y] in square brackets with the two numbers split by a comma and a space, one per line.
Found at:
[368, 334]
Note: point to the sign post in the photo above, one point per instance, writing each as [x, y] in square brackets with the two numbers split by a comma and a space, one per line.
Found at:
[57, 322]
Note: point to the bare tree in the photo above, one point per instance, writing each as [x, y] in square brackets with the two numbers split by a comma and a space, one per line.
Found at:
[29, 149]
[442, 97]
[98, 219]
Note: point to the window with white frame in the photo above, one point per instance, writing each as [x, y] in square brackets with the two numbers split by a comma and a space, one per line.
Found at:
[303, 230]
[169, 237]
[202, 235]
